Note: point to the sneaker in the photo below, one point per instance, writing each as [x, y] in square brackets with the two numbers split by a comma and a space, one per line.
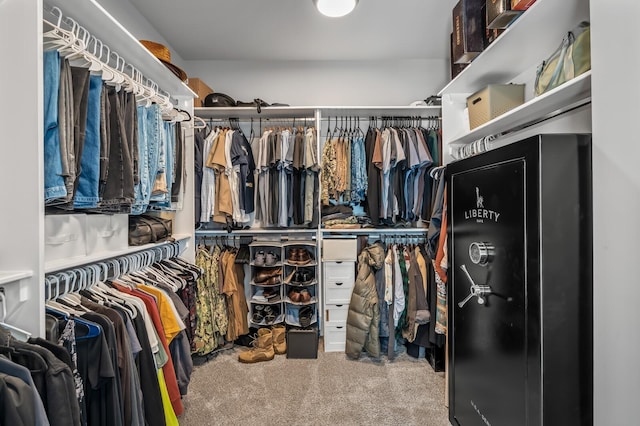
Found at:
[260, 258]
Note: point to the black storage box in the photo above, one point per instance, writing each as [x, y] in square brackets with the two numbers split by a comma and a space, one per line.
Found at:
[468, 31]
[455, 68]
[499, 14]
[302, 343]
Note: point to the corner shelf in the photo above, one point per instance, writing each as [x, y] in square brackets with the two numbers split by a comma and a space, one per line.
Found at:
[572, 94]
[527, 42]
[62, 264]
[7, 277]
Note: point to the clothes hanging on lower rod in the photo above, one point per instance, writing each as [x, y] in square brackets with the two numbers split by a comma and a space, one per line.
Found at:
[402, 296]
[221, 305]
[117, 334]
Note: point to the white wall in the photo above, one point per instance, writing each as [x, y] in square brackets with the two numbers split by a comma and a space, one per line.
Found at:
[616, 177]
[324, 82]
[130, 18]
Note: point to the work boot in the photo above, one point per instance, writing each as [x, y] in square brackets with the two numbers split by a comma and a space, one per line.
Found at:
[262, 348]
[279, 339]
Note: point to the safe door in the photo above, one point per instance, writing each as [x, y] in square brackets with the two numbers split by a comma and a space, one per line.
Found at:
[488, 295]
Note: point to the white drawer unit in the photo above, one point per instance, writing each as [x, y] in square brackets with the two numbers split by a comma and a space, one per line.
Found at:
[335, 336]
[339, 271]
[340, 249]
[336, 313]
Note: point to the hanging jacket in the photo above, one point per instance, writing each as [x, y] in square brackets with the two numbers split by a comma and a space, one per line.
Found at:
[364, 313]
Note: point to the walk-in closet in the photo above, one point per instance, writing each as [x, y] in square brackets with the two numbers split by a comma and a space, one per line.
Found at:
[236, 212]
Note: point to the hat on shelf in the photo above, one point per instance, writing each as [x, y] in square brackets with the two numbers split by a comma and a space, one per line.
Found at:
[163, 53]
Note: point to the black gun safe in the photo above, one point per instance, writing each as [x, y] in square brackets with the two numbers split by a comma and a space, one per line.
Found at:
[520, 293]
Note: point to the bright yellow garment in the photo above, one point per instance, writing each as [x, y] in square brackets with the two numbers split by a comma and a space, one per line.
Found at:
[169, 415]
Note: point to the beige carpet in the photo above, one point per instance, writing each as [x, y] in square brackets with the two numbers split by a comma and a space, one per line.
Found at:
[330, 390]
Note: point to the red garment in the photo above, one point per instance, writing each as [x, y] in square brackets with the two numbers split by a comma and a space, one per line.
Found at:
[441, 242]
[167, 370]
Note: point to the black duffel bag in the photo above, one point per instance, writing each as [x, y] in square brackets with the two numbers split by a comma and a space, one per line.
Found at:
[145, 229]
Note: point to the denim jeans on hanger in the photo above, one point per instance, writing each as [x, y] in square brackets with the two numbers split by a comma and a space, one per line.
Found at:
[87, 189]
[80, 91]
[160, 179]
[105, 140]
[142, 187]
[65, 117]
[118, 193]
[54, 187]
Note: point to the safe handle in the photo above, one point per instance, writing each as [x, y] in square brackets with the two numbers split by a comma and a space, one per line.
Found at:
[478, 291]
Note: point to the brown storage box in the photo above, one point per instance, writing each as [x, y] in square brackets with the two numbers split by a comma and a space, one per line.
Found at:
[493, 101]
[468, 31]
[455, 68]
[201, 89]
[499, 14]
[521, 4]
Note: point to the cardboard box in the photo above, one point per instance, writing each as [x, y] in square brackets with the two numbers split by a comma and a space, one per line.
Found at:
[493, 101]
[201, 89]
[521, 4]
[499, 14]
[468, 31]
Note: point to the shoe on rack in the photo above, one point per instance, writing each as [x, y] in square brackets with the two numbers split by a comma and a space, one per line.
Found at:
[271, 259]
[272, 281]
[258, 314]
[294, 296]
[260, 258]
[304, 257]
[270, 314]
[262, 348]
[305, 296]
[279, 333]
[305, 316]
[294, 255]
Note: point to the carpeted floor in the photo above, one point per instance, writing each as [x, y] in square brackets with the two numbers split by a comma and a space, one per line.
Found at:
[330, 390]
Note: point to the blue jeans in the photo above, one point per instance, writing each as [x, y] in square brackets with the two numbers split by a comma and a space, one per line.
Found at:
[54, 187]
[166, 160]
[142, 187]
[87, 191]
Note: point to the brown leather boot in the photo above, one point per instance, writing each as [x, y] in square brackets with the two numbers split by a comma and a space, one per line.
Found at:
[262, 348]
[279, 333]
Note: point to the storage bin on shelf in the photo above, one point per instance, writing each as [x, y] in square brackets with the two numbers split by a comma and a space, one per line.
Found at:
[493, 101]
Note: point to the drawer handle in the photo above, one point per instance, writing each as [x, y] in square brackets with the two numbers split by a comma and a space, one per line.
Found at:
[339, 306]
[338, 261]
[341, 327]
[339, 283]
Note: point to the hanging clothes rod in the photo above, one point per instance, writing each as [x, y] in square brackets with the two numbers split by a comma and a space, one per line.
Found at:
[85, 277]
[257, 120]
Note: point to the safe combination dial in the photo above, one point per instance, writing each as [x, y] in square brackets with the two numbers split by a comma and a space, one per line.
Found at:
[481, 253]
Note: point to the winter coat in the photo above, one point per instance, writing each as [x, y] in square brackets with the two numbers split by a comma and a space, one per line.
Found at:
[364, 312]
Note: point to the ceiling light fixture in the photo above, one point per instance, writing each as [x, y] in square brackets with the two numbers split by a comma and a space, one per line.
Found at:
[335, 8]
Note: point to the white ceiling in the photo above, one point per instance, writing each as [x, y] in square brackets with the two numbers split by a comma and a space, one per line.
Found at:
[294, 30]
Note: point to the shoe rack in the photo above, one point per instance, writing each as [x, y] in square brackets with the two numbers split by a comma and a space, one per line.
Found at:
[300, 266]
[266, 283]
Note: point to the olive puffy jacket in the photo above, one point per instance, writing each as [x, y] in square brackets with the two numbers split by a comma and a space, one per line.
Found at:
[364, 312]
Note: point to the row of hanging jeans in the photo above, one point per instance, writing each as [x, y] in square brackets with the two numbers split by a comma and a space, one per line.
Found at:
[102, 151]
